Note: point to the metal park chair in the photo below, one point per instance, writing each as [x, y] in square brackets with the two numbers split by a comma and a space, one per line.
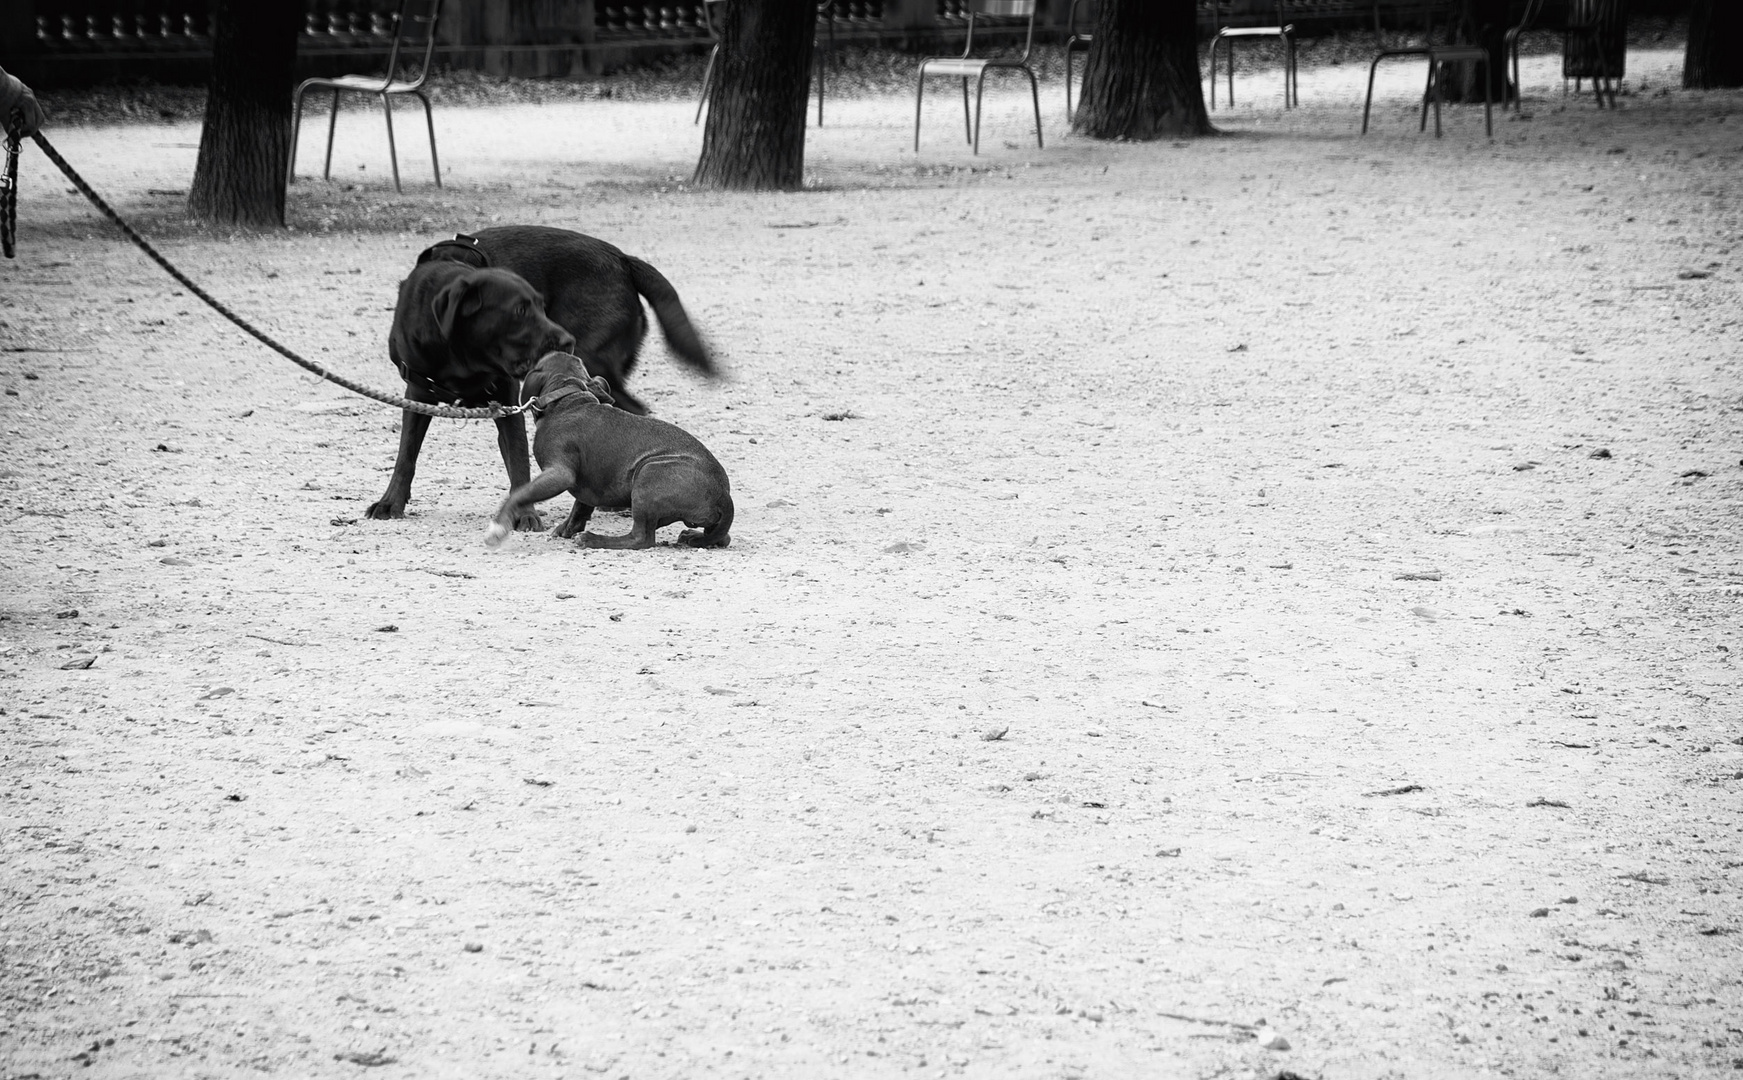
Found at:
[1594, 46]
[825, 20]
[1227, 35]
[1533, 8]
[1437, 55]
[408, 65]
[968, 66]
[1078, 37]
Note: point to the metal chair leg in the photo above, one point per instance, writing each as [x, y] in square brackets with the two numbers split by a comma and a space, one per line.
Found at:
[1488, 115]
[1439, 95]
[290, 169]
[1513, 73]
[1427, 91]
[979, 92]
[1035, 93]
[1068, 84]
[430, 122]
[1368, 102]
[332, 123]
[822, 81]
[919, 96]
[707, 76]
[1288, 66]
[1213, 45]
[968, 132]
[392, 152]
[1293, 89]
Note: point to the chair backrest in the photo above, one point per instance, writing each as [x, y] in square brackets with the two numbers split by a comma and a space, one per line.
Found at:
[1250, 12]
[1081, 19]
[710, 19]
[1528, 18]
[414, 41]
[1001, 9]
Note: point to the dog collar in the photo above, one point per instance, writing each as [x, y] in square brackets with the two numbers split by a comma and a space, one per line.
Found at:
[463, 248]
[447, 395]
[542, 404]
[444, 395]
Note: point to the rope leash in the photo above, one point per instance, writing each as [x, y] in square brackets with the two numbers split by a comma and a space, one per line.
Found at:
[9, 187]
[8, 228]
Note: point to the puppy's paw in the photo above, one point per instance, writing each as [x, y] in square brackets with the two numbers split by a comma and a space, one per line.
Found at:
[496, 534]
[528, 521]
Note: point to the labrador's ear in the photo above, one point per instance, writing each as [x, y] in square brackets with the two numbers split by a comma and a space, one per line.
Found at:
[458, 299]
[600, 389]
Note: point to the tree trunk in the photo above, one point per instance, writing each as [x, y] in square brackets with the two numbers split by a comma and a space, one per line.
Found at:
[1141, 79]
[754, 139]
[1715, 51]
[239, 178]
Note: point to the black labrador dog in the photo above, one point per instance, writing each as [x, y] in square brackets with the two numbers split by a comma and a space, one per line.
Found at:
[479, 332]
[592, 291]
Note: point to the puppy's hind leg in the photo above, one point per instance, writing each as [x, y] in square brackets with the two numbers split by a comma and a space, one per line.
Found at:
[711, 535]
[640, 535]
[553, 481]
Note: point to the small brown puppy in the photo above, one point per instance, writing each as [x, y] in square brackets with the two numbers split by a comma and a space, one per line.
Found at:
[606, 457]
[465, 336]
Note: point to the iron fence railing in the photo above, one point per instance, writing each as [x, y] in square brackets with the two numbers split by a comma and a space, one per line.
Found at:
[180, 30]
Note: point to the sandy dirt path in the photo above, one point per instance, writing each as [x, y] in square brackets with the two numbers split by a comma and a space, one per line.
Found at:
[1261, 605]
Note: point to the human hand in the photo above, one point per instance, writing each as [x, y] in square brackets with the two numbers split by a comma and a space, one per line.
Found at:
[17, 97]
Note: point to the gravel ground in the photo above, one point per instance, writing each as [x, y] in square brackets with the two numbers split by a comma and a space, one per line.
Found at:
[1261, 606]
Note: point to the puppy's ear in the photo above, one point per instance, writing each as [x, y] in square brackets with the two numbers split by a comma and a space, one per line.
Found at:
[458, 299]
[600, 389]
[532, 386]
